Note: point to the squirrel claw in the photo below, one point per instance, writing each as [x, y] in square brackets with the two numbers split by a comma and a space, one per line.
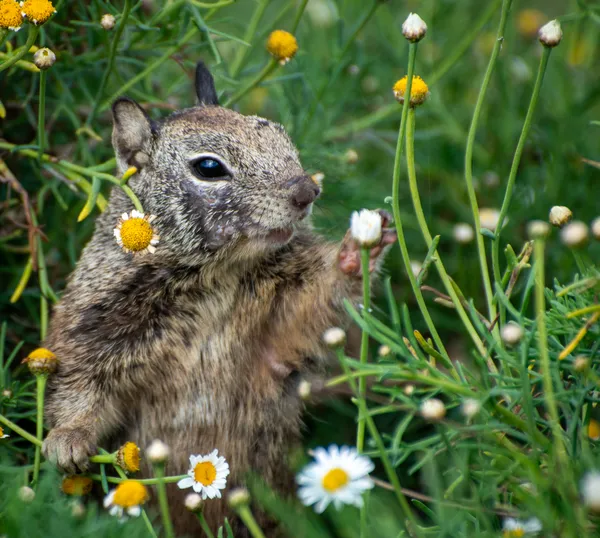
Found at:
[69, 449]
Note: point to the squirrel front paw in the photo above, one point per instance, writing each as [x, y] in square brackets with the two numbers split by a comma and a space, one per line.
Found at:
[349, 256]
[69, 449]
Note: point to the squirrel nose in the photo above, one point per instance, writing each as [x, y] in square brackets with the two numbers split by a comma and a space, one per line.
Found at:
[305, 192]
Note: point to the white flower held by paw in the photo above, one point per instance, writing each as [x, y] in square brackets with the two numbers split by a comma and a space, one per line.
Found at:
[339, 475]
[515, 527]
[126, 499]
[365, 227]
[207, 475]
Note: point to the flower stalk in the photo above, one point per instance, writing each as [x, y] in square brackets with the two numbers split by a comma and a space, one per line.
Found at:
[17, 429]
[40, 380]
[262, 75]
[416, 200]
[412, 52]
[489, 294]
[19, 53]
[159, 473]
[516, 160]
[41, 135]
[245, 514]
[364, 346]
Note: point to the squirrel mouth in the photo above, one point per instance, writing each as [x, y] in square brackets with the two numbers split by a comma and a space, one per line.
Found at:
[280, 235]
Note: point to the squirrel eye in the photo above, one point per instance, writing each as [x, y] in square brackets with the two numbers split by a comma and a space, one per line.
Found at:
[209, 168]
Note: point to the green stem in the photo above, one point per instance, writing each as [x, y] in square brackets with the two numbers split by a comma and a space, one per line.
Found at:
[159, 472]
[540, 312]
[39, 429]
[263, 74]
[364, 345]
[148, 523]
[389, 469]
[248, 37]
[42, 114]
[516, 160]
[485, 274]
[298, 16]
[103, 458]
[17, 429]
[111, 60]
[246, 516]
[412, 52]
[33, 32]
[416, 200]
[204, 525]
[145, 481]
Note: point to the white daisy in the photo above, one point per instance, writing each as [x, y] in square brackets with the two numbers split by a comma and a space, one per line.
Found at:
[207, 475]
[365, 227]
[2, 434]
[126, 499]
[134, 232]
[339, 475]
[513, 528]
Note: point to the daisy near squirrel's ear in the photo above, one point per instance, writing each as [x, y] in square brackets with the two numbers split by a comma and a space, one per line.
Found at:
[132, 134]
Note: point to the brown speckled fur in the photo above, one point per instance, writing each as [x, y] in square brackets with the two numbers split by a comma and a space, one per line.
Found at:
[201, 344]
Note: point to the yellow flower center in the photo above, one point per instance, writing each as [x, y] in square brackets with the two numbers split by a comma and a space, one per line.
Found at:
[130, 457]
[10, 14]
[136, 234]
[594, 429]
[38, 11]
[130, 493]
[41, 354]
[515, 533]
[335, 479]
[205, 473]
[418, 90]
[282, 45]
[1, 431]
[76, 485]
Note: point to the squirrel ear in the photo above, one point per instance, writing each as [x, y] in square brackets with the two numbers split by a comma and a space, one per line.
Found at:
[205, 86]
[132, 133]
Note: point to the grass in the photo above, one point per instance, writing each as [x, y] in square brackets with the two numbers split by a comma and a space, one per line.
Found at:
[492, 134]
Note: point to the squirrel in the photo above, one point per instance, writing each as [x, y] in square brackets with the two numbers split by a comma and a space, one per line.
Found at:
[202, 343]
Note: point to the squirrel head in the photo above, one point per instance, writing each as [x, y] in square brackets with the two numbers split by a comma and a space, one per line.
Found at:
[216, 180]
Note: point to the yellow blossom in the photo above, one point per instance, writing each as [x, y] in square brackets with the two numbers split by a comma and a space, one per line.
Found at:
[37, 11]
[76, 485]
[282, 45]
[128, 457]
[126, 499]
[41, 361]
[10, 15]
[418, 91]
[135, 234]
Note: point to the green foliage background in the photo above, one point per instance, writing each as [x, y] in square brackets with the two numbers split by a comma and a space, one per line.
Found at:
[334, 96]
